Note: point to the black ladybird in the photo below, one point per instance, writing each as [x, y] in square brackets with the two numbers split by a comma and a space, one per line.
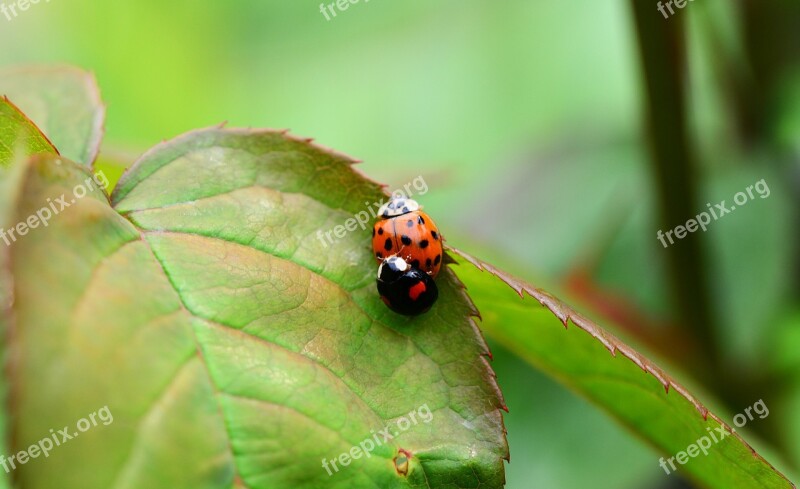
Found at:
[405, 289]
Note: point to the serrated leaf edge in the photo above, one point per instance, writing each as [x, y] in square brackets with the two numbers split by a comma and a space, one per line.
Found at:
[567, 314]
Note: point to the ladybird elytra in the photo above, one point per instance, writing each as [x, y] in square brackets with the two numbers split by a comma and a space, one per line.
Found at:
[404, 230]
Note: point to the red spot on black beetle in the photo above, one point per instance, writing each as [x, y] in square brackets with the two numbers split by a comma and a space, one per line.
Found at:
[416, 290]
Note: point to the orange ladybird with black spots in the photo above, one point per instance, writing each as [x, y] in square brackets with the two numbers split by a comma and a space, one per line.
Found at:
[403, 230]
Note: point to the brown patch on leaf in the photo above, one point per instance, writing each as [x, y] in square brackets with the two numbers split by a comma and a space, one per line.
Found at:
[402, 461]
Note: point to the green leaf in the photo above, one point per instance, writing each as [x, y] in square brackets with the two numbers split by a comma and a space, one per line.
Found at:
[18, 135]
[64, 102]
[626, 384]
[10, 179]
[233, 347]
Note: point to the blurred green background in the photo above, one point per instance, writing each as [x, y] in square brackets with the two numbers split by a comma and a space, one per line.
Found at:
[529, 122]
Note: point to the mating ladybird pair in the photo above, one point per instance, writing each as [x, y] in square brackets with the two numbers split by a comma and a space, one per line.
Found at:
[408, 248]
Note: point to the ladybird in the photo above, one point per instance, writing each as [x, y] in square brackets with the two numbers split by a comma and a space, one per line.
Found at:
[404, 230]
[405, 289]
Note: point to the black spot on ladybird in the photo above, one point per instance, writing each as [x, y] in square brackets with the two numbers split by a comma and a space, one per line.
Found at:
[373, 232]
[423, 244]
[406, 240]
[380, 230]
[420, 220]
[415, 263]
[428, 263]
[388, 244]
[437, 259]
[410, 223]
[435, 235]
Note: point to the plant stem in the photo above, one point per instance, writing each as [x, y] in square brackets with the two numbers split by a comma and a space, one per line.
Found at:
[663, 58]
